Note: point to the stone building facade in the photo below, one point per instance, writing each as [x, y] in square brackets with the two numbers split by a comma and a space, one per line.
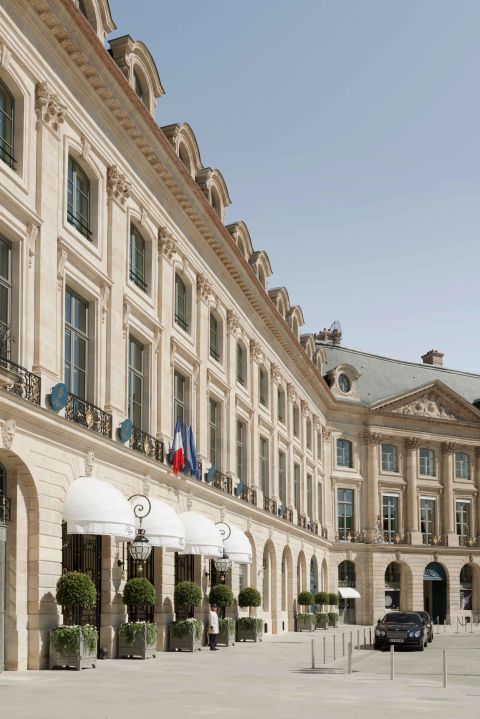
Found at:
[122, 286]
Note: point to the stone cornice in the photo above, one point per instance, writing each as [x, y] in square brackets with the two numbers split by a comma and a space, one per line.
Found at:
[220, 242]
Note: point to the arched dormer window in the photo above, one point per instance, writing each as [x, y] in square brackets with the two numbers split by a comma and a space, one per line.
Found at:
[261, 277]
[281, 307]
[295, 327]
[139, 87]
[78, 198]
[138, 66]
[185, 157]
[137, 269]
[7, 127]
[217, 204]
[181, 303]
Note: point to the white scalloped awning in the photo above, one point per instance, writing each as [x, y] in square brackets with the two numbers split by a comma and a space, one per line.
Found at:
[95, 507]
[201, 535]
[238, 546]
[163, 526]
[348, 593]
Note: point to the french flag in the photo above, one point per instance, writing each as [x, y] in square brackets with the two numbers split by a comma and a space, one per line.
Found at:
[177, 448]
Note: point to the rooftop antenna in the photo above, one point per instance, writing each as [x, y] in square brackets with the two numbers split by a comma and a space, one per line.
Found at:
[333, 335]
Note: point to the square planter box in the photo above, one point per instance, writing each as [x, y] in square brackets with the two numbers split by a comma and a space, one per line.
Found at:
[305, 622]
[226, 636]
[321, 620]
[255, 634]
[79, 658]
[139, 648]
[332, 619]
[187, 643]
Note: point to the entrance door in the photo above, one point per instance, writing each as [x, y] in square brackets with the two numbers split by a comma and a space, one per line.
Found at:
[435, 591]
[83, 553]
[346, 609]
[143, 570]
[184, 571]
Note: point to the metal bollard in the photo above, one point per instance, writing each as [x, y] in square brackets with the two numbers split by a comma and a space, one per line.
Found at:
[324, 650]
[370, 637]
[351, 638]
[444, 668]
[343, 644]
[334, 648]
[358, 640]
[349, 657]
[471, 627]
[392, 661]
[364, 639]
[444, 626]
[313, 654]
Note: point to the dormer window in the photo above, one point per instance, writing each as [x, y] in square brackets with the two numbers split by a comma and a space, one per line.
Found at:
[344, 383]
[138, 88]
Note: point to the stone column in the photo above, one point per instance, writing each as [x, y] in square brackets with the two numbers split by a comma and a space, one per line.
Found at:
[448, 452]
[167, 248]
[204, 291]
[328, 509]
[233, 325]
[372, 441]
[411, 446]
[477, 496]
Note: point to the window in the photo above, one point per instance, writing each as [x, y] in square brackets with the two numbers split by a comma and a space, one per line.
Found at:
[319, 499]
[263, 386]
[344, 453]
[463, 519]
[281, 405]
[296, 420]
[76, 344]
[214, 344]
[181, 303]
[462, 465]
[319, 445]
[344, 384]
[214, 434]
[389, 458]
[427, 462]
[427, 520]
[310, 495]
[217, 205]
[241, 451]
[241, 364]
[264, 466]
[346, 574]
[466, 588]
[345, 513]
[137, 259]
[138, 87]
[78, 199]
[7, 108]
[282, 477]
[5, 297]
[135, 382]
[309, 434]
[296, 486]
[390, 517]
[180, 397]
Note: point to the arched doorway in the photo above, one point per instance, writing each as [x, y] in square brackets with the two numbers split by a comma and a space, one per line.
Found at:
[287, 588]
[313, 587]
[301, 572]
[346, 581]
[270, 583]
[435, 591]
[466, 588]
[393, 586]
[324, 586]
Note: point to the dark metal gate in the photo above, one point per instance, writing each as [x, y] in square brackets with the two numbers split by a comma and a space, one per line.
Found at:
[83, 553]
[141, 569]
[184, 571]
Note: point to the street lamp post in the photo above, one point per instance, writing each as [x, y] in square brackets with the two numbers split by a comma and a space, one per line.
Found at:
[140, 549]
[223, 564]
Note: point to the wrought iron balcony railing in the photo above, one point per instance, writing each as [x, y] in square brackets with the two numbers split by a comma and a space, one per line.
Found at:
[324, 533]
[19, 381]
[465, 541]
[287, 514]
[347, 535]
[4, 508]
[249, 495]
[222, 482]
[88, 415]
[394, 538]
[435, 540]
[146, 444]
[270, 505]
[314, 527]
[302, 521]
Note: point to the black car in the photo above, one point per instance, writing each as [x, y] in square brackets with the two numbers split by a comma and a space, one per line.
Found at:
[404, 629]
[428, 623]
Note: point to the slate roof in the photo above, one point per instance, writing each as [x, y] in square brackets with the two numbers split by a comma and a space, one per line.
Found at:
[384, 377]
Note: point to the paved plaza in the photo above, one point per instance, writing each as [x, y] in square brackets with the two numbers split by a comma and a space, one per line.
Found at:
[271, 679]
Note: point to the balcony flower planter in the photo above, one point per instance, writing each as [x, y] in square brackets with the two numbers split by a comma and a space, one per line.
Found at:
[73, 647]
[332, 619]
[249, 629]
[305, 622]
[186, 635]
[321, 620]
[8, 378]
[226, 634]
[137, 639]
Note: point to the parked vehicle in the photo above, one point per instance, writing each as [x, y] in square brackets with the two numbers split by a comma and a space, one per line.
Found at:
[405, 629]
[428, 623]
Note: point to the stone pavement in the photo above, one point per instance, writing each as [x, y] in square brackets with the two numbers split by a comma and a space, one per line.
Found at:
[271, 679]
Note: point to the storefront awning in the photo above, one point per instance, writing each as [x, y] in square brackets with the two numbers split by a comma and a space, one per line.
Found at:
[238, 547]
[93, 506]
[201, 535]
[163, 526]
[348, 593]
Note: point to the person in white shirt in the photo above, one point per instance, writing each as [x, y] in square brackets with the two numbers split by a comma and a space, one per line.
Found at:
[213, 628]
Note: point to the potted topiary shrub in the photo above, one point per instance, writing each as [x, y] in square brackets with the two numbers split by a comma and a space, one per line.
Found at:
[249, 628]
[321, 617]
[333, 616]
[74, 645]
[305, 621]
[187, 634]
[222, 596]
[138, 639]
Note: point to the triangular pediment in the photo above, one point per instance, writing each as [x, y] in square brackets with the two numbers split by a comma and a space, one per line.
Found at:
[434, 401]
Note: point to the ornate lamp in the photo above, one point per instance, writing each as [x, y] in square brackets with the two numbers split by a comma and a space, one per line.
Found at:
[140, 549]
[223, 564]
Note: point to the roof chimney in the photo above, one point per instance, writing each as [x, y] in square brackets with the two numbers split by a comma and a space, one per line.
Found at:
[433, 357]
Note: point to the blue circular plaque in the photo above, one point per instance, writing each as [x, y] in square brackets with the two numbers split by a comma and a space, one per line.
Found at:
[58, 397]
[125, 430]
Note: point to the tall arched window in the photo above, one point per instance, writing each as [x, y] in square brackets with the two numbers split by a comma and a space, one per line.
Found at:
[5, 297]
[241, 364]
[216, 203]
[139, 88]
[263, 386]
[7, 109]
[296, 421]
[214, 338]
[281, 404]
[181, 303]
[309, 434]
[346, 574]
[344, 453]
[137, 259]
[78, 198]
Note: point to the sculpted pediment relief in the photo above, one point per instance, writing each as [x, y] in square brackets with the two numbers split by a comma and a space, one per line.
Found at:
[436, 402]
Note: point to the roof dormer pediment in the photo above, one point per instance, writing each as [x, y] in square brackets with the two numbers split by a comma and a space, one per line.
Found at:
[434, 401]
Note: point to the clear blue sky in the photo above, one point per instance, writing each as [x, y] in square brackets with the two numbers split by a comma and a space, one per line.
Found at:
[348, 132]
